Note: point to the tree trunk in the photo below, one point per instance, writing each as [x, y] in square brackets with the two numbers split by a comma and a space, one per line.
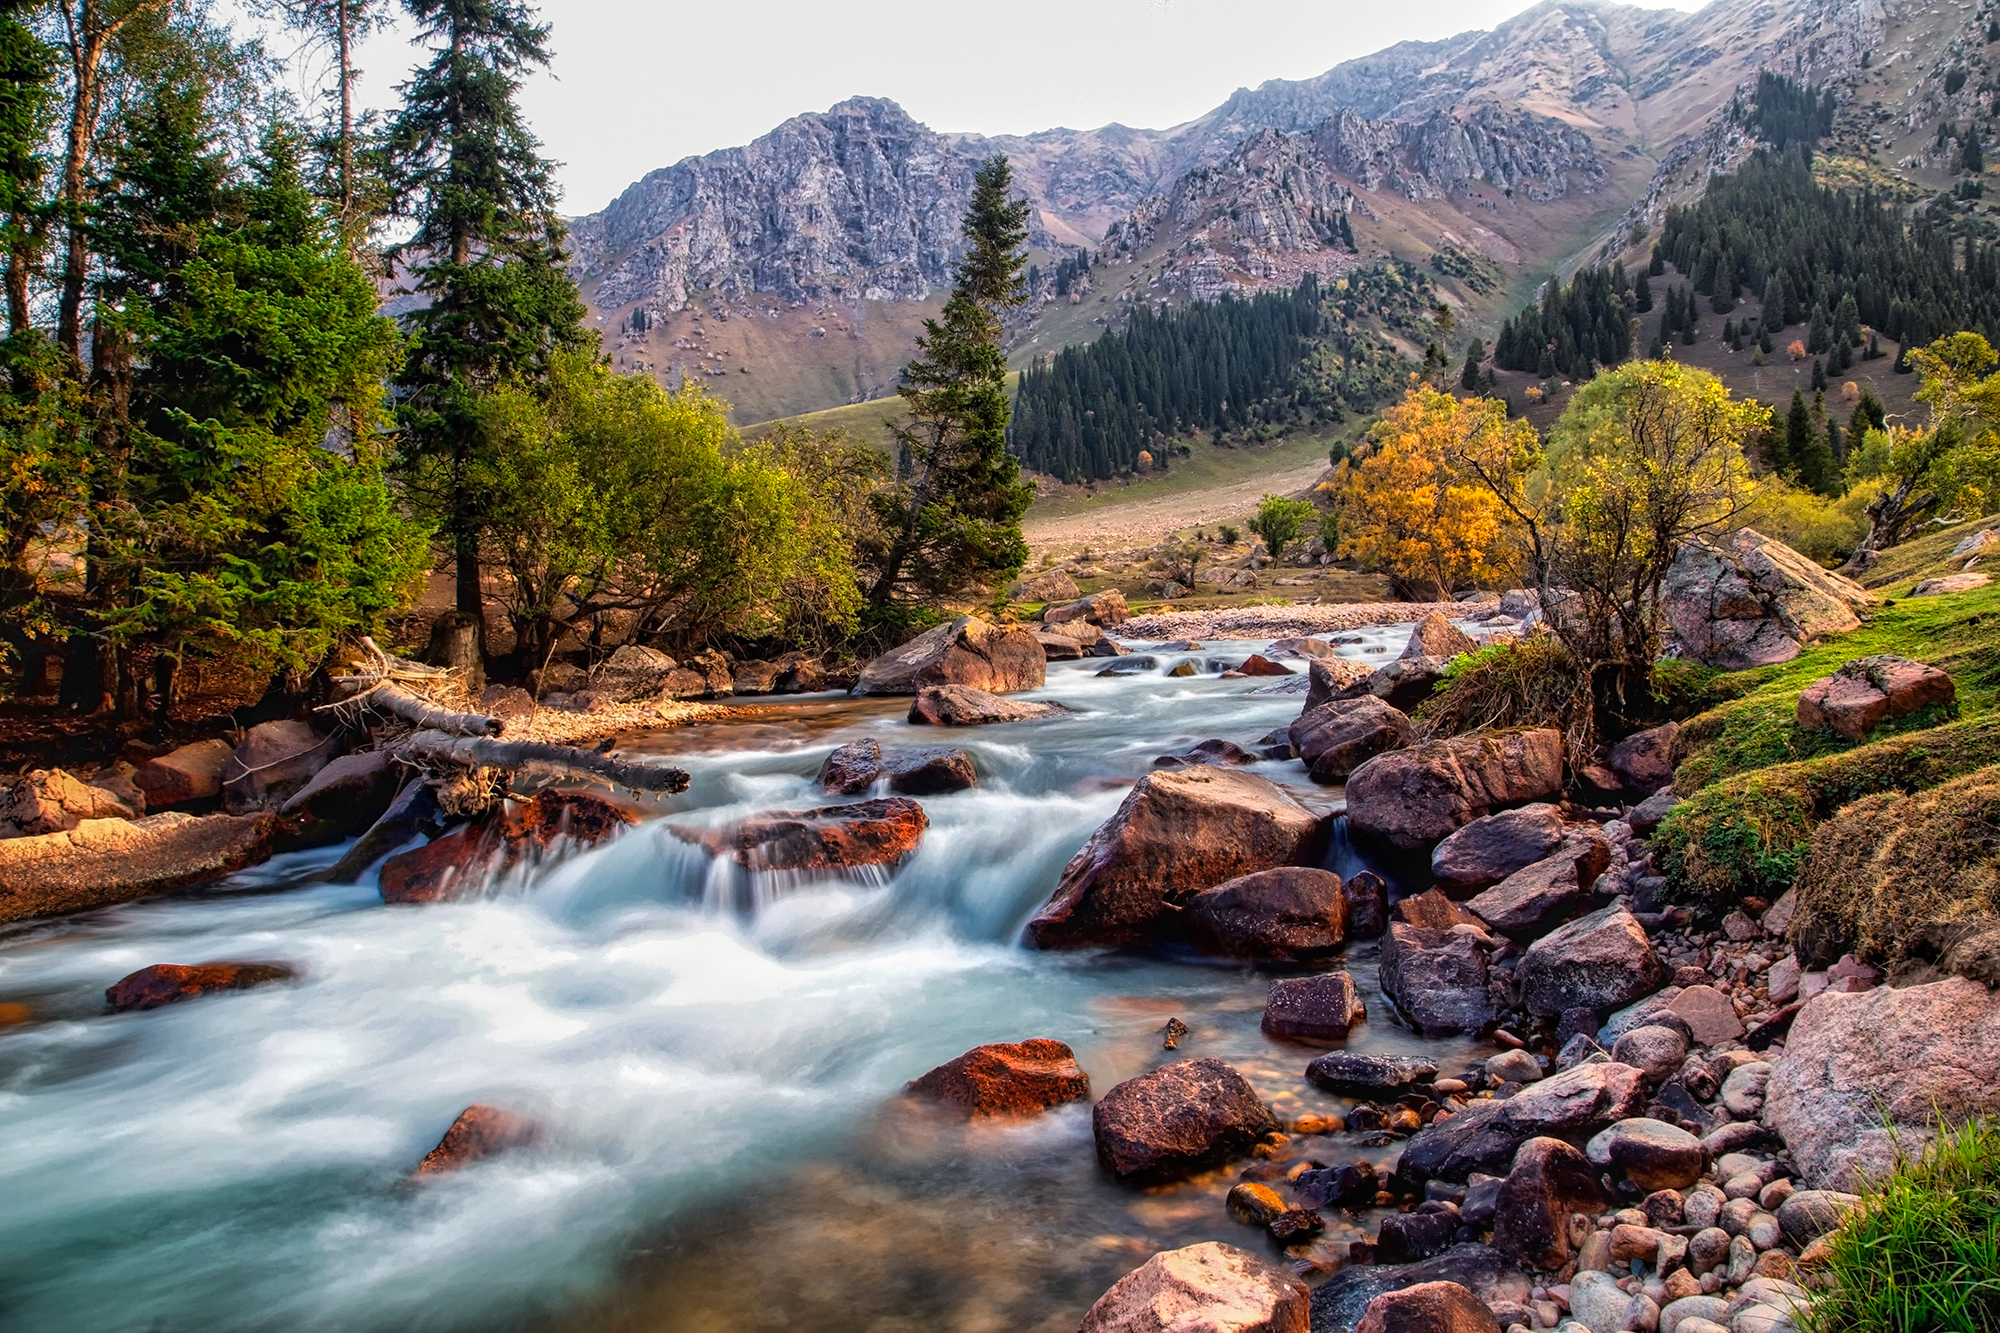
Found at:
[83, 675]
[457, 644]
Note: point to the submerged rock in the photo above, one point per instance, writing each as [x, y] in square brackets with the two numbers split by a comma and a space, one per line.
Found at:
[464, 862]
[1206, 1288]
[967, 651]
[855, 767]
[170, 983]
[1177, 831]
[834, 837]
[1007, 1079]
[1178, 1119]
[481, 1131]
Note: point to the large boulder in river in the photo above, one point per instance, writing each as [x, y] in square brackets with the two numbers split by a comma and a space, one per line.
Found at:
[1286, 914]
[474, 858]
[1549, 892]
[1178, 830]
[966, 651]
[1340, 735]
[170, 983]
[275, 761]
[859, 765]
[964, 706]
[105, 861]
[1102, 609]
[1436, 636]
[1318, 1008]
[1406, 682]
[1006, 1079]
[1754, 602]
[869, 835]
[1485, 1135]
[1437, 978]
[1205, 1288]
[1599, 962]
[1489, 849]
[1416, 797]
[1329, 678]
[347, 795]
[1865, 1075]
[1178, 1119]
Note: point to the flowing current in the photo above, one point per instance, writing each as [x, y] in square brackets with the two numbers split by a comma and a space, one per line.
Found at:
[717, 1060]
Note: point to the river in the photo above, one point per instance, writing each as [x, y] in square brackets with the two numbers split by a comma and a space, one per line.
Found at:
[717, 1059]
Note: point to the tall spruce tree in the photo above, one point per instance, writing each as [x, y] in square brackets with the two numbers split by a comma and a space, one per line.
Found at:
[1799, 437]
[27, 69]
[954, 516]
[487, 251]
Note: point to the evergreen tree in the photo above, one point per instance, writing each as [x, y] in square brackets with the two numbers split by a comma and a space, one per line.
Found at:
[1657, 264]
[1970, 153]
[1468, 378]
[1869, 414]
[1813, 457]
[1774, 303]
[1818, 375]
[954, 518]
[1818, 338]
[341, 24]
[1799, 437]
[27, 68]
[487, 251]
[1643, 297]
[1836, 443]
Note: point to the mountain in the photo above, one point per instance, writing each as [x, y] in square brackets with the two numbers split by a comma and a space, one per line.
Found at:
[801, 265]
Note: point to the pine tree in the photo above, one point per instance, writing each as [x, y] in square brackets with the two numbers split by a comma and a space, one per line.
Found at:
[1799, 437]
[1657, 264]
[1836, 443]
[1774, 303]
[1643, 301]
[1971, 153]
[1475, 352]
[955, 517]
[27, 69]
[487, 250]
[1818, 375]
[1818, 338]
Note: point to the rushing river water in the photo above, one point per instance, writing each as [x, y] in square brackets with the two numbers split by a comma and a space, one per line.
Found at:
[717, 1060]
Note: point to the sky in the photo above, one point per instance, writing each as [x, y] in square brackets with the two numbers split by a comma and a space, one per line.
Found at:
[638, 84]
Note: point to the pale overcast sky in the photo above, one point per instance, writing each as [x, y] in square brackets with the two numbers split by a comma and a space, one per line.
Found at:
[641, 85]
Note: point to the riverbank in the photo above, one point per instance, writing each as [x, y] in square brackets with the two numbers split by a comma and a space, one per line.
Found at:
[1284, 621]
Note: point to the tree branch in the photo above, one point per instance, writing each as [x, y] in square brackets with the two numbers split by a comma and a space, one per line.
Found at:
[436, 747]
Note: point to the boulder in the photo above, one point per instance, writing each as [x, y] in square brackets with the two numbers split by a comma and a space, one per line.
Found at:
[1259, 665]
[1354, 1074]
[1405, 1237]
[1549, 892]
[1865, 1074]
[967, 651]
[1006, 1079]
[1651, 1153]
[706, 676]
[349, 794]
[1950, 583]
[275, 762]
[1806, 1215]
[1644, 761]
[1406, 682]
[118, 781]
[1433, 911]
[106, 861]
[48, 800]
[1436, 636]
[1322, 1008]
[1865, 693]
[1549, 1180]
[1485, 1135]
[1710, 1018]
[1754, 602]
[1488, 850]
[635, 672]
[1223, 754]
[1205, 1288]
[1285, 914]
[1367, 896]
[170, 983]
[412, 813]
[1649, 814]
[1655, 1049]
[1335, 678]
[1342, 1302]
[872, 836]
[859, 765]
[1340, 735]
[1102, 609]
[755, 678]
[1178, 1119]
[1048, 586]
[1416, 797]
[1436, 978]
[480, 1132]
[1071, 642]
[1597, 962]
[1295, 648]
[471, 859]
[1428, 1307]
[1177, 831]
[190, 773]
[964, 706]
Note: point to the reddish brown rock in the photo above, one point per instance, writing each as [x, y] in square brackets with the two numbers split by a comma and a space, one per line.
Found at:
[1321, 1008]
[966, 651]
[1259, 665]
[1340, 735]
[1367, 898]
[1869, 691]
[1177, 830]
[104, 861]
[480, 1132]
[963, 706]
[1007, 1079]
[190, 773]
[1416, 797]
[835, 837]
[465, 862]
[1206, 1288]
[349, 794]
[1550, 1180]
[1330, 678]
[1436, 978]
[1488, 850]
[170, 983]
[53, 801]
[1431, 910]
[854, 768]
[1598, 962]
[1549, 892]
[1484, 1135]
[1178, 1119]
[1428, 1307]
[1285, 914]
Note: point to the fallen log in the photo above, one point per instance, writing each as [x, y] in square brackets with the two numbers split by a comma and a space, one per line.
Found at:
[434, 748]
[393, 699]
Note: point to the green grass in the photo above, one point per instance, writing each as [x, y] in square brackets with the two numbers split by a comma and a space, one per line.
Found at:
[1210, 467]
[1757, 785]
[1922, 1255]
[1900, 567]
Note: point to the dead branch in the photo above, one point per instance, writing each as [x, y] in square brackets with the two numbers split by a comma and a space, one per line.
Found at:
[393, 699]
[434, 748]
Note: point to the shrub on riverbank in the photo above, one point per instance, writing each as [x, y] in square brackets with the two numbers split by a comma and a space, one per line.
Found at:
[1923, 1253]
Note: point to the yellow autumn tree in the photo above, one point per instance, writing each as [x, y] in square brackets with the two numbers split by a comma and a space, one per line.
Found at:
[1406, 508]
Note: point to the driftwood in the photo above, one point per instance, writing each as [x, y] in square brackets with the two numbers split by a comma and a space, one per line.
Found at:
[377, 688]
[436, 748]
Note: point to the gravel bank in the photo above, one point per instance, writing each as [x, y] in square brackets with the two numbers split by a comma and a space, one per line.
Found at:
[1277, 622]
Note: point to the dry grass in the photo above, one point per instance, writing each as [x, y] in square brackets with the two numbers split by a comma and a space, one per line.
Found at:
[1531, 683]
